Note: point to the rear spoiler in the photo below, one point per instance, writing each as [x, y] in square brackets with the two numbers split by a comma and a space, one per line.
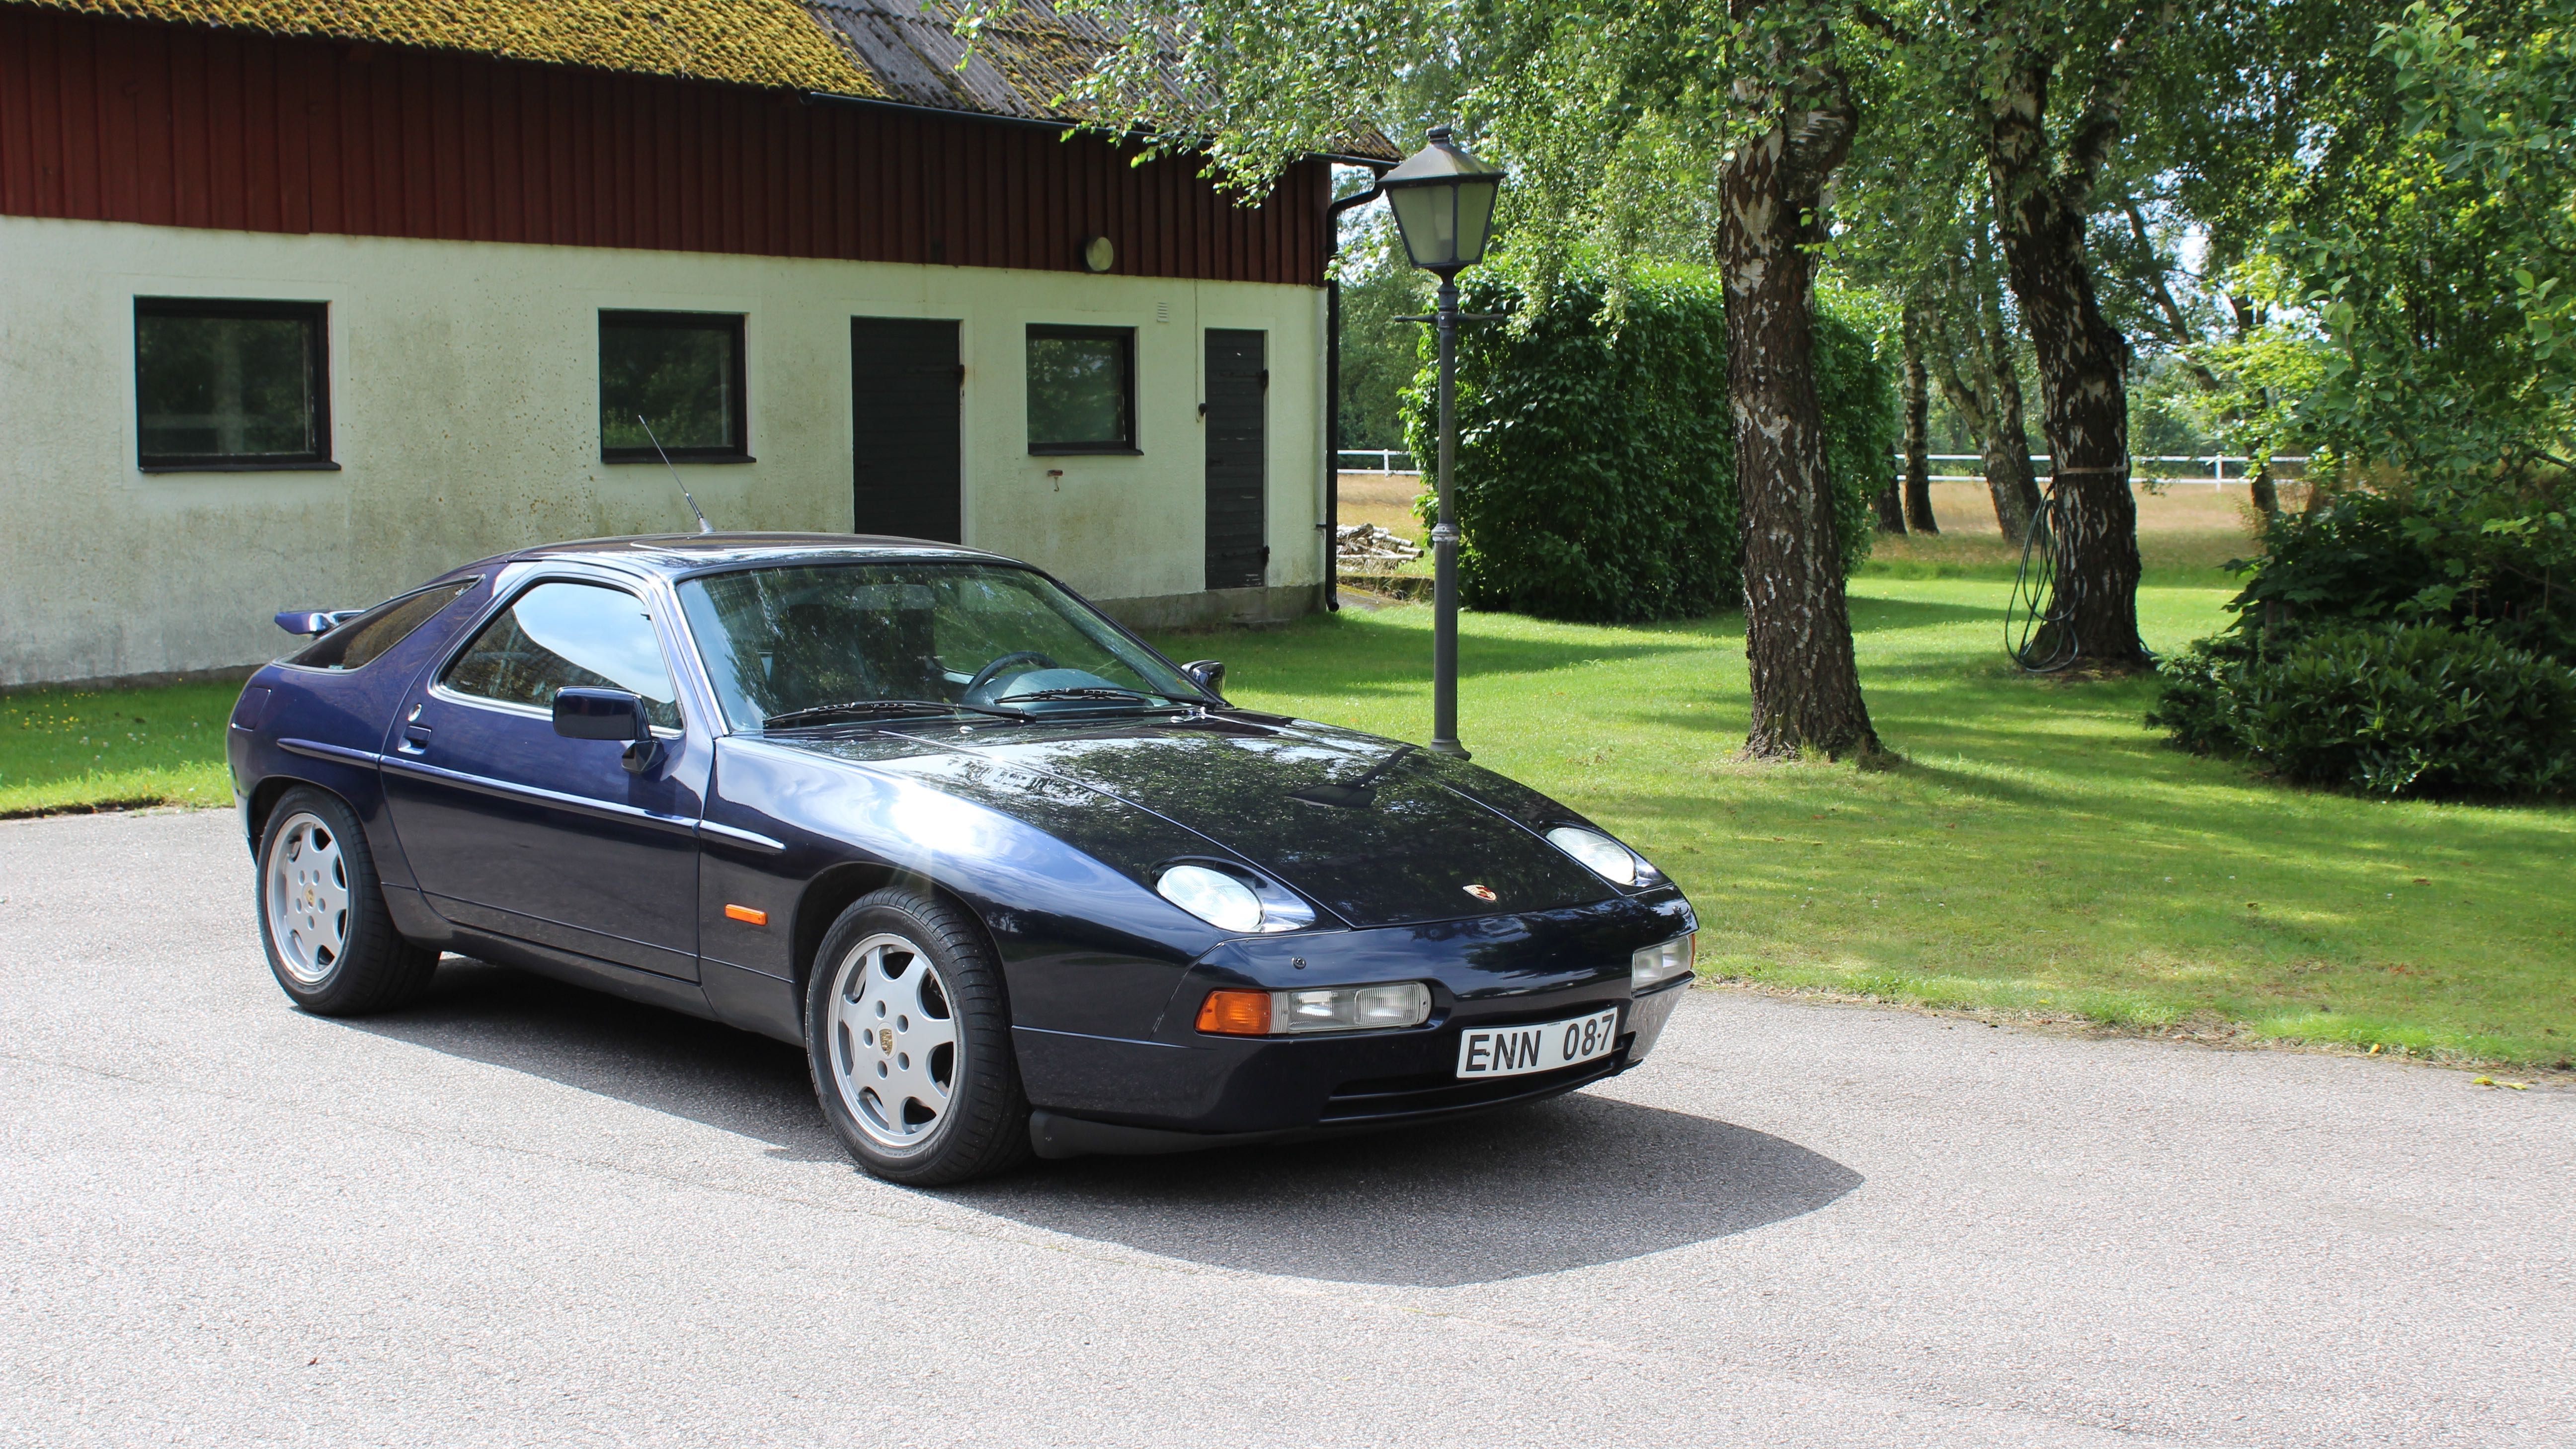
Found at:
[315, 621]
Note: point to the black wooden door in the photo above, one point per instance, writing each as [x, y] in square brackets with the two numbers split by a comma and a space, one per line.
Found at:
[907, 470]
[1238, 451]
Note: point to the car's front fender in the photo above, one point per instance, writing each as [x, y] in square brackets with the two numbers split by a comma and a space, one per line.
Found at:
[1086, 945]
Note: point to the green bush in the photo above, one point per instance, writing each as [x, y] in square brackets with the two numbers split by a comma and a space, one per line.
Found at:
[1596, 459]
[2198, 706]
[2391, 710]
[2368, 556]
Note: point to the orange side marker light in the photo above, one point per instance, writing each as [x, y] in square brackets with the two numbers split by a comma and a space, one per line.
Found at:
[747, 915]
[1236, 1013]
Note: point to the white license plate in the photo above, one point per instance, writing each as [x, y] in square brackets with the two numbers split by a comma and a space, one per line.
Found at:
[1509, 1051]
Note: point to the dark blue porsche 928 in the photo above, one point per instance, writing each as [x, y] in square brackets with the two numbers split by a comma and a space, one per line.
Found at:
[1015, 882]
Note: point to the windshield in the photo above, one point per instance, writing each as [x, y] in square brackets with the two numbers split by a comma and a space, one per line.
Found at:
[819, 643]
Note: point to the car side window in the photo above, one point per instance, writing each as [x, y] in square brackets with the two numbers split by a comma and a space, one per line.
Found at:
[561, 635]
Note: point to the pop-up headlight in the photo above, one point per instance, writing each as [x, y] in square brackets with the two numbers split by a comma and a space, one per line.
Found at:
[1212, 896]
[1233, 902]
[1323, 1008]
[1603, 856]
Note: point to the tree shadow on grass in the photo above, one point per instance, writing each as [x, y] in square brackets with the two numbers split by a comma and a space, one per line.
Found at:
[1569, 1183]
[1996, 790]
[1399, 664]
[1871, 615]
[1904, 718]
[2059, 801]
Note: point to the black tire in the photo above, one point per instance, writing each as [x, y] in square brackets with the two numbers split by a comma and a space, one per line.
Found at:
[980, 1125]
[344, 962]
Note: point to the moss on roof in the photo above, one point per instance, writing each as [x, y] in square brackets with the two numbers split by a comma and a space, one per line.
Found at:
[1025, 59]
[750, 42]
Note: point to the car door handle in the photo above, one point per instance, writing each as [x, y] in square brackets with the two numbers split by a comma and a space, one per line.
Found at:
[415, 740]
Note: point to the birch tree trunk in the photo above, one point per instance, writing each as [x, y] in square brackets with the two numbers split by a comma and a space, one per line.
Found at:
[1891, 505]
[1985, 390]
[2083, 362]
[2006, 441]
[1797, 624]
[1918, 428]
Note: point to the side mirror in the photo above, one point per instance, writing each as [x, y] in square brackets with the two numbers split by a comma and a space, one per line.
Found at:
[609, 714]
[1207, 674]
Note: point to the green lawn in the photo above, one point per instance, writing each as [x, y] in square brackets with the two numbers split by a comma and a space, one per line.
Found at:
[81, 750]
[2040, 854]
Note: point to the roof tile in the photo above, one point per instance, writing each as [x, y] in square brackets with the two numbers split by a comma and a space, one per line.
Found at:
[889, 50]
[749, 42]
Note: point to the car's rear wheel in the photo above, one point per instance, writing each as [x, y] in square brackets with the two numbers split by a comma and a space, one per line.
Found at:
[331, 943]
[908, 1033]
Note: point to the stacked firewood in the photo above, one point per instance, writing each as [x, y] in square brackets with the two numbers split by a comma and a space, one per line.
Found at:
[1364, 543]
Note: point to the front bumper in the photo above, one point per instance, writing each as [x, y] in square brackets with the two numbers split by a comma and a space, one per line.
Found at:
[1370, 1106]
[1181, 1089]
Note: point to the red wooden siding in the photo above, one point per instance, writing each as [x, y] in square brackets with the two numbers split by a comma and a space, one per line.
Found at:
[110, 120]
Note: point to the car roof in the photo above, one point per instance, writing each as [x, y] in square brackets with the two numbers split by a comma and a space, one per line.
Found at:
[674, 554]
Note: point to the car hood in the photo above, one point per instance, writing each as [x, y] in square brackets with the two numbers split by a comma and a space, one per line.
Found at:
[1427, 838]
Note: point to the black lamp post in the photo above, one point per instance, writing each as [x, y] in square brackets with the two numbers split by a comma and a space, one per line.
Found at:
[1444, 205]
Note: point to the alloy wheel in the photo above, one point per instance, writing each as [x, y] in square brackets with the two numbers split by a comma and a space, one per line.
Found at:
[893, 1042]
[308, 897]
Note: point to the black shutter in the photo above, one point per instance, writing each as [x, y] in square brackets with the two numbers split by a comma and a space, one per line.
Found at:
[1238, 451]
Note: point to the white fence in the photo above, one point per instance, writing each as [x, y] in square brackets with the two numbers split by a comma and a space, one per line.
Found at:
[2222, 468]
[2143, 468]
[1385, 460]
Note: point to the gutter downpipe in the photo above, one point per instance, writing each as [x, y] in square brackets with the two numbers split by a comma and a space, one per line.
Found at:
[1332, 524]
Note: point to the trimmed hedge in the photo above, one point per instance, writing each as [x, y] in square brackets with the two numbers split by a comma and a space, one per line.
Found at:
[1596, 455]
[2392, 710]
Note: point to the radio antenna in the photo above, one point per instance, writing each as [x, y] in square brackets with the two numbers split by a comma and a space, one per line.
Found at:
[703, 525]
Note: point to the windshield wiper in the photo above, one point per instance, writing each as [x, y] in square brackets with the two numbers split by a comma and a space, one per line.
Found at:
[1092, 691]
[869, 708]
[1359, 794]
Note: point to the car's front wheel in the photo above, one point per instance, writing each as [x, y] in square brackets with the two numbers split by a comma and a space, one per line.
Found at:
[908, 1033]
[322, 916]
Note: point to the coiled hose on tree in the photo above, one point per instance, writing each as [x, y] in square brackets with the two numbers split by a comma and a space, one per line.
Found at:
[2038, 623]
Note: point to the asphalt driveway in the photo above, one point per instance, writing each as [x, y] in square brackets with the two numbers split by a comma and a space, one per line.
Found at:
[522, 1214]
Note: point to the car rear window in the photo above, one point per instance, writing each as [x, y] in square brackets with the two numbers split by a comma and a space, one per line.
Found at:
[356, 644]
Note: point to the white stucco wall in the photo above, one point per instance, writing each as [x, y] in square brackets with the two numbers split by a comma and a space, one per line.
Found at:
[464, 415]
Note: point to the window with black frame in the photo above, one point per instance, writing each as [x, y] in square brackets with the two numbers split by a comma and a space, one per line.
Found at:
[227, 385]
[1082, 390]
[680, 372]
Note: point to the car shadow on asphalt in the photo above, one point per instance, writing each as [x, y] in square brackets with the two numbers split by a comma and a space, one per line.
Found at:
[701, 1070]
[1572, 1182]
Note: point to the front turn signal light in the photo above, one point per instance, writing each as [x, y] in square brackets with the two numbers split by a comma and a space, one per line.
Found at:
[1327, 1008]
[1236, 1013]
